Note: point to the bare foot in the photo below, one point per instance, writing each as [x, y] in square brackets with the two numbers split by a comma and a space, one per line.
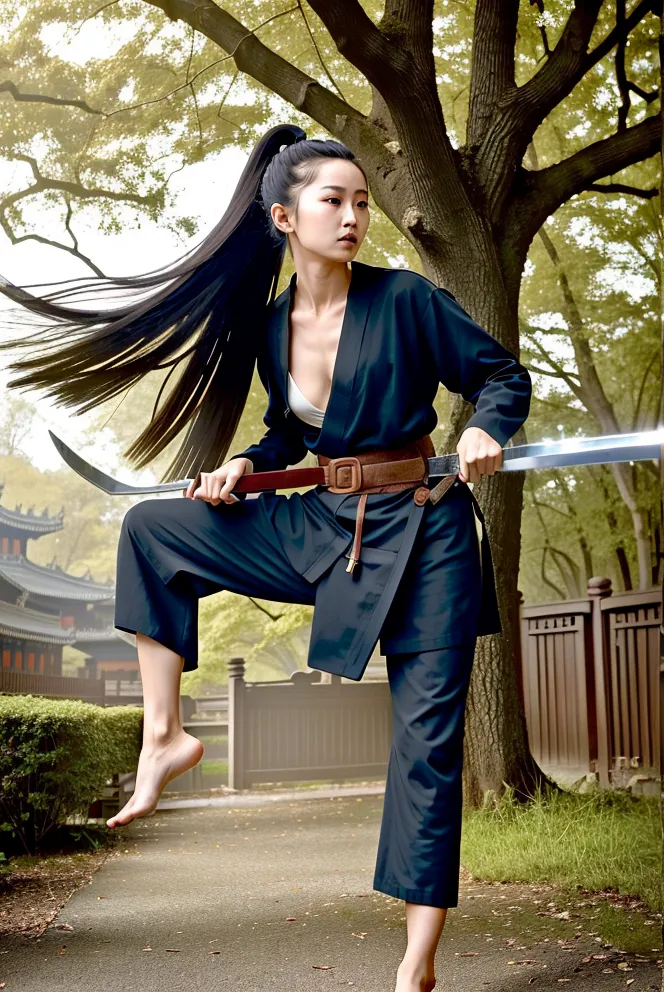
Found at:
[158, 764]
[414, 981]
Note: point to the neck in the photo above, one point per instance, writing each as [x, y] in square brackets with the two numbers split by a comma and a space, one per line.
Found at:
[321, 285]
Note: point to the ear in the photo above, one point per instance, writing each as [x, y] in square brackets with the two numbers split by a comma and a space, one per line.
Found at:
[280, 218]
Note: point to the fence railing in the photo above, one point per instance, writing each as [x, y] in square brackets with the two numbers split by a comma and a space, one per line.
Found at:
[590, 674]
[55, 686]
[103, 692]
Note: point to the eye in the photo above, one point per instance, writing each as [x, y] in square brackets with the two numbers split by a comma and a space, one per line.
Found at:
[361, 203]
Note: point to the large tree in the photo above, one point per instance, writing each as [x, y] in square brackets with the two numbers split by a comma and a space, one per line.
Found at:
[444, 141]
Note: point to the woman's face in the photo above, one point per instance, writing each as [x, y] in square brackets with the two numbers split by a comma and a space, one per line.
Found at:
[333, 205]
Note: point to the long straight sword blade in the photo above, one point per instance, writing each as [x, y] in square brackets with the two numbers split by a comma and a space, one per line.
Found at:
[568, 452]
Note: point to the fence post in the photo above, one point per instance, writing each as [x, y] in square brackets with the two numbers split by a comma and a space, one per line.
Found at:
[599, 588]
[236, 698]
[520, 660]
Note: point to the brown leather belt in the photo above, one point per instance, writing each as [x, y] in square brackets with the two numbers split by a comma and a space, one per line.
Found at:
[385, 470]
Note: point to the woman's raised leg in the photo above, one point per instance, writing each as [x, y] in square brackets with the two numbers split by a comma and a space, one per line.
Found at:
[171, 553]
[167, 750]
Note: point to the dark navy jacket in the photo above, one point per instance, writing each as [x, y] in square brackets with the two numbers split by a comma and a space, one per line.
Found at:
[401, 336]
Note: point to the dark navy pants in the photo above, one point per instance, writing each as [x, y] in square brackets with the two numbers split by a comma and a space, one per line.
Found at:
[174, 551]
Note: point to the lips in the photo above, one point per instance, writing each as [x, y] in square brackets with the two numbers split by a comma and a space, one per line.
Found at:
[349, 237]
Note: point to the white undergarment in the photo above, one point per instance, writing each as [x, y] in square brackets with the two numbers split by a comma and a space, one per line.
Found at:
[301, 406]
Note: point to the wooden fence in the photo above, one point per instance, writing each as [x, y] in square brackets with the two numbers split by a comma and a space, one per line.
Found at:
[103, 692]
[55, 686]
[306, 729]
[591, 683]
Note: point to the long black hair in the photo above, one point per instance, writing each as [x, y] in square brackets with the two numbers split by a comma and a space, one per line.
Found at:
[217, 294]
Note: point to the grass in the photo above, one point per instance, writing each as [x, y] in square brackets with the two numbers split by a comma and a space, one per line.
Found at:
[605, 840]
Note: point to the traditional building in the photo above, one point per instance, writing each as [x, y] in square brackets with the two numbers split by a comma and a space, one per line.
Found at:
[42, 607]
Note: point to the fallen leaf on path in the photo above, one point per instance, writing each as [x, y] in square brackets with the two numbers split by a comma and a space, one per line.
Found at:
[360, 935]
[64, 926]
[324, 967]
[214, 952]
[147, 948]
[175, 950]
[291, 919]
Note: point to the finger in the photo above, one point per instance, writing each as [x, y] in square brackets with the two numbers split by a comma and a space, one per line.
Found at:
[203, 490]
[463, 466]
[225, 491]
[471, 463]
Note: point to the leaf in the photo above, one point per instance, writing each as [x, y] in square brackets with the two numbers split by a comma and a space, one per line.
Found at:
[324, 967]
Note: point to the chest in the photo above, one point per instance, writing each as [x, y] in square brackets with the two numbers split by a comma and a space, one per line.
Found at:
[313, 346]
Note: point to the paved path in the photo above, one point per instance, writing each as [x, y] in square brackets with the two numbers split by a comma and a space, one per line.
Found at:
[199, 900]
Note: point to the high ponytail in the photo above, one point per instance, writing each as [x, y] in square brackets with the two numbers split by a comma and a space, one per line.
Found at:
[213, 300]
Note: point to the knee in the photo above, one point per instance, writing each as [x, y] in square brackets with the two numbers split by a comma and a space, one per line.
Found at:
[139, 516]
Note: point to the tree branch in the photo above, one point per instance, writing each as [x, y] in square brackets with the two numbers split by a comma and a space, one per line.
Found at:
[621, 30]
[548, 188]
[570, 60]
[645, 194]
[409, 24]
[72, 249]
[276, 73]
[387, 66]
[12, 89]
[543, 33]
[621, 71]
[259, 606]
[564, 67]
[43, 183]
[492, 66]
[318, 52]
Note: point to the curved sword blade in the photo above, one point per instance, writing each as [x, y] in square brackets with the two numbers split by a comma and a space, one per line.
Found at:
[106, 482]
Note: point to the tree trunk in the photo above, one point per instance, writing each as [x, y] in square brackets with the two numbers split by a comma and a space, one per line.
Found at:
[496, 749]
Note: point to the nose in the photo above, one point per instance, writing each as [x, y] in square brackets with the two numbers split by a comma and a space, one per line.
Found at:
[349, 216]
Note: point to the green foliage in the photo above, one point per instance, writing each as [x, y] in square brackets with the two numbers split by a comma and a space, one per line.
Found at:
[55, 757]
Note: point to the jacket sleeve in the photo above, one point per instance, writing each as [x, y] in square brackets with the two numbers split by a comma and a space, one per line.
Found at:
[282, 444]
[472, 363]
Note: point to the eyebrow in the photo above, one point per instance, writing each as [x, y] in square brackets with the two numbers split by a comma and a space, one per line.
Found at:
[342, 189]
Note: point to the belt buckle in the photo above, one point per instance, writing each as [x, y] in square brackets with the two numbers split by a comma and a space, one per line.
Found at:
[345, 462]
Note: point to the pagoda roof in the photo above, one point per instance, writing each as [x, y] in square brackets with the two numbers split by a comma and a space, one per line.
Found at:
[53, 581]
[19, 622]
[96, 634]
[29, 521]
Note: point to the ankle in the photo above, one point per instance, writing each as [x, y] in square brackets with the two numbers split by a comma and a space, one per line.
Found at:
[415, 968]
[159, 733]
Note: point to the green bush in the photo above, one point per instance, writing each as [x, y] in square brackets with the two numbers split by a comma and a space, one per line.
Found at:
[56, 755]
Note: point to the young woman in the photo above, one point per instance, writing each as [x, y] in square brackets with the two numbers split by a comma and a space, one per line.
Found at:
[351, 357]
